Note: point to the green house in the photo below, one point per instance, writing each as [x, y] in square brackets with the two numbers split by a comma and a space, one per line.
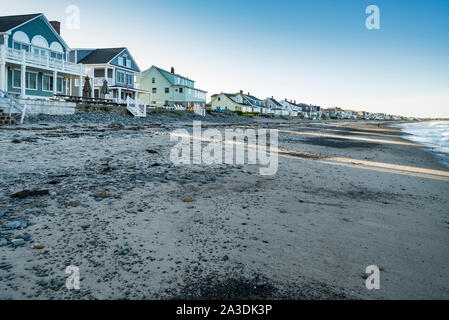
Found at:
[170, 89]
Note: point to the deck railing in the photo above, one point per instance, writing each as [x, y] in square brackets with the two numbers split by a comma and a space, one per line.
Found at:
[34, 60]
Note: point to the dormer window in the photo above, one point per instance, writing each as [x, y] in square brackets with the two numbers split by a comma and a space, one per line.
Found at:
[128, 63]
[120, 61]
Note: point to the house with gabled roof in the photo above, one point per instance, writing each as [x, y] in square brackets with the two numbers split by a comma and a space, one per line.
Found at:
[116, 66]
[228, 102]
[171, 89]
[34, 58]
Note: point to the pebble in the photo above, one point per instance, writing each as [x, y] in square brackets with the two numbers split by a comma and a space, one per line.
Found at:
[18, 242]
[13, 224]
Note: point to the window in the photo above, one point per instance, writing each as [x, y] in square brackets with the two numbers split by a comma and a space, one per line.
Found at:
[47, 83]
[154, 90]
[129, 79]
[120, 77]
[167, 90]
[180, 90]
[21, 46]
[128, 63]
[153, 80]
[120, 61]
[31, 81]
[60, 85]
[56, 55]
[16, 79]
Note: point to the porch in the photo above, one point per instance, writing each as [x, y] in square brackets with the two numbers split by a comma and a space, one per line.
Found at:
[25, 74]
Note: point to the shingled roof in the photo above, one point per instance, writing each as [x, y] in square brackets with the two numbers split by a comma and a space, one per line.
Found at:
[101, 55]
[10, 22]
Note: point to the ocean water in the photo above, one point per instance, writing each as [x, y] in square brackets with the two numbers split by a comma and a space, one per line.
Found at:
[434, 135]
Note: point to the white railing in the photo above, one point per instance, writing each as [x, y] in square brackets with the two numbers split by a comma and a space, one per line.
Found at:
[34, 60]
[13, 104]
[137, 107]
[99, 81]
[199, 111]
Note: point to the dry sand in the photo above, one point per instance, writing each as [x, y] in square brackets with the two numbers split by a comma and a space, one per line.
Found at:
[308, 232]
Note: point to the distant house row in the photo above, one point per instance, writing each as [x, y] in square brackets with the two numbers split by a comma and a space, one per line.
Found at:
[36, 63]
[247, 103]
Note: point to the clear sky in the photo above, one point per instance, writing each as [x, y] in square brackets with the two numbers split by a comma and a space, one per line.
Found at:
[317, 52]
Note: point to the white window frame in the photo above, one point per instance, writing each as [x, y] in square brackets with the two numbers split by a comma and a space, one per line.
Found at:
[12, 79]
[27, 80]
[51, 82]
[120, 61]
[118, 77]
[62, 84]
[128, 63]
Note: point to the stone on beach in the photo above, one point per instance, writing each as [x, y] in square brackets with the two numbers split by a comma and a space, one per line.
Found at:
[29, 193]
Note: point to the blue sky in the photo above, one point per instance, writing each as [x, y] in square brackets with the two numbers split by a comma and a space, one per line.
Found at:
[316, 52]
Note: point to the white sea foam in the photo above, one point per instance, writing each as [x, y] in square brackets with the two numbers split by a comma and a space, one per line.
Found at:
[434, 135]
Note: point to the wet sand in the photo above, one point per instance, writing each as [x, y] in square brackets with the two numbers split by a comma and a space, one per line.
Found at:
[346, 195]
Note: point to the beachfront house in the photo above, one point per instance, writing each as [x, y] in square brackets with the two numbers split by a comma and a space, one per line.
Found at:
[34, 58]
[289, 108]
[238, 102]
[253, 103]
[227, 102]
[273, 106]
[116, 66]
[171, 90]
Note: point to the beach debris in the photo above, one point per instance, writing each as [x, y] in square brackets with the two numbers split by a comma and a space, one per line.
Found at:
[101, 194]
[74, 203]
[151, 151]
[187, 199]
[37, 246]
[282, 211]
[29, 193]
[346, 220]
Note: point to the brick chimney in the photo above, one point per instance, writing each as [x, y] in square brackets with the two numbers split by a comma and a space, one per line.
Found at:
[172, 70]
[294, 102]
[241, 91]
[56, 25]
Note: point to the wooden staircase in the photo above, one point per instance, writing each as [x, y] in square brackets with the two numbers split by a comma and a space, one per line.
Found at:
[6, 119]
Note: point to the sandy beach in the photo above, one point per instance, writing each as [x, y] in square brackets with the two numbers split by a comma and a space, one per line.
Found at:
[346, 195]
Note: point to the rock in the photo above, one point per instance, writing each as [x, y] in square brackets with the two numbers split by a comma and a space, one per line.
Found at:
[225, 258]
[13, 224]
[18, 242]
[187, 199]
[73, 204]
[282, 211]
[29, 193]
[26, 236]
[260, 284]
[101, 194]
[3, 242]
